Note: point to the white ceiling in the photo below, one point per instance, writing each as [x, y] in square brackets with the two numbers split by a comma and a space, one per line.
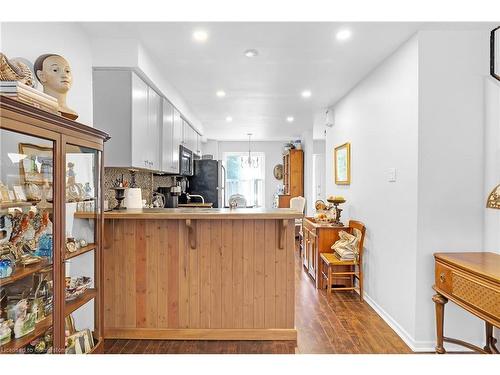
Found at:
[261, 91]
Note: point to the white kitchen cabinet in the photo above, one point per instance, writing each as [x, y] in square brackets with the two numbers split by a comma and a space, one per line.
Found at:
[140, 122]
[177, 139]
[198, 144]
[170, 139]
[146, 129]
[190, 135]
[129, 110]
[152, 152]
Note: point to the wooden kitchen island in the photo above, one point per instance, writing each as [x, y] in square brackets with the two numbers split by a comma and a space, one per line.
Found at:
[199, 274]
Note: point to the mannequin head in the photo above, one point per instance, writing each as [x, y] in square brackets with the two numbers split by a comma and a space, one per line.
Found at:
[54, 73]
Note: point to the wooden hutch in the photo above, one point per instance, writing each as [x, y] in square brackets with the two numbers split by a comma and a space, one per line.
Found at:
[51, 167]
[293, 177]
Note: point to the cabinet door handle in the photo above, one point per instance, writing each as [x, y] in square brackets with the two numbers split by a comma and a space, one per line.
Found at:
[442, 277]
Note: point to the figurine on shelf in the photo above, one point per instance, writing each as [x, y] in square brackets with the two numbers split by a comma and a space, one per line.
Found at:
[87, 190]
[54, 73]
[20, 225]
[43, 236]
[70, 174]
[15, 70]
[33, 192]
[5, 229]
[25, 322]
[5, 331]
[6, 267]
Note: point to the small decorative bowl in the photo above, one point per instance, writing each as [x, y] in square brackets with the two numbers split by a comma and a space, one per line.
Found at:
[76, 286]
[336, 200]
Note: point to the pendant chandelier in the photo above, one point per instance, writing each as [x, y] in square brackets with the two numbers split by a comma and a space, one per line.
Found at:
[249, 161]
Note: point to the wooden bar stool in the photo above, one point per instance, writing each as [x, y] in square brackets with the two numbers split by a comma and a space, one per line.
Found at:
[328, 262]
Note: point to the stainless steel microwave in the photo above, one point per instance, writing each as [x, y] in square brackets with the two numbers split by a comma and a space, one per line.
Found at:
[185, 161]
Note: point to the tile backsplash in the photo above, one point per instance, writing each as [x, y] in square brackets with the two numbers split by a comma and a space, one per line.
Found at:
[143, 179]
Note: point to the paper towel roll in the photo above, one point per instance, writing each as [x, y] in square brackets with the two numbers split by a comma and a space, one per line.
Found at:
[133, 198]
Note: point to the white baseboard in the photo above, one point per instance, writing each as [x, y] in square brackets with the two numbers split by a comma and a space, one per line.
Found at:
[416, 346]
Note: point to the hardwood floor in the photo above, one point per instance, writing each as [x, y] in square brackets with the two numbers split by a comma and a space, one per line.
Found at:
[336, 323]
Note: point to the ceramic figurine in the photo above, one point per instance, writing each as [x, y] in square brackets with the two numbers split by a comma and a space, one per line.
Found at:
[6, 268]
[5, 229]
[5, 331]
[87, 190]
[20, 226]
[15, 70]
[54, 73]
[25, 322]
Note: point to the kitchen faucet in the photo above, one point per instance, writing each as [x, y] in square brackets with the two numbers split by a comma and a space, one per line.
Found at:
[189, 196]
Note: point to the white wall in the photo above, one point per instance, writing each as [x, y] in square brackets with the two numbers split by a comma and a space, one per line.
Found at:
[492, 162]
[492, 165]
[421, 112]
[32, 39]
[211, 147]
[379, 118]
[273, 152]
[452, 67]
[129, 53]
[308, 147]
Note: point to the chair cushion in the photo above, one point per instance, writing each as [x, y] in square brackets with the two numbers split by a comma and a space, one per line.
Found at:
[332, 259]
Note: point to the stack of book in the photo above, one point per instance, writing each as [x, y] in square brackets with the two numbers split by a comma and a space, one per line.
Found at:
[26, 94]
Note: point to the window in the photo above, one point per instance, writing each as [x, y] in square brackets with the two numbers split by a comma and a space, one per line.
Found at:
[245, 179]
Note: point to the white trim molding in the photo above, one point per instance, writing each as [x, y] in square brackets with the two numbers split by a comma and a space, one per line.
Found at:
[416, 346]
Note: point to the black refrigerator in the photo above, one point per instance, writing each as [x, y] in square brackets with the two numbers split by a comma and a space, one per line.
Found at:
[208, 180]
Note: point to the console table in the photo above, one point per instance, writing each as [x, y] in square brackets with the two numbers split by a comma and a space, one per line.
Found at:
[472, 281]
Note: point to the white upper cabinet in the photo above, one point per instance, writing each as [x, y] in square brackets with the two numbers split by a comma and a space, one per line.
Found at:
[140, 123]
[177, 139]
[170, 138]
[189, 137]
[198, 144]
[152, 152]
[146, 129]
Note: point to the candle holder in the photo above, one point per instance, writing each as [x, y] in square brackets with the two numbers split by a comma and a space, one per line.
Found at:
[336, 201]
[119, 196]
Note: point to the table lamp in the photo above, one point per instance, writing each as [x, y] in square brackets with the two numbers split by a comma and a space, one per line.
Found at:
[494, 198]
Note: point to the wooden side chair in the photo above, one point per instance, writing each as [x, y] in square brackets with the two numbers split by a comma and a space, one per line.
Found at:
[298, 204]
[330, 261]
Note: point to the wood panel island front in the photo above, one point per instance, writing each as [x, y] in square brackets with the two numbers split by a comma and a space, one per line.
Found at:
[199, 274]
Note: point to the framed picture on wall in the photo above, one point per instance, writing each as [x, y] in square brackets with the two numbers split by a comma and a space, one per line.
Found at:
[495, 53]
[342, 164]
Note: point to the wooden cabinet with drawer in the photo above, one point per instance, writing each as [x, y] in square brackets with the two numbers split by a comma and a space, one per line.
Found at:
[472, 281]
[319, 238]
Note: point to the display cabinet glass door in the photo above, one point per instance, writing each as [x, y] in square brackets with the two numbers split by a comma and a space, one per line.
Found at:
[81, 270]
[27, 238]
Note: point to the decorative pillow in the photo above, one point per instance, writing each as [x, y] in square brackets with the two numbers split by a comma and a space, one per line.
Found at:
[347, 246]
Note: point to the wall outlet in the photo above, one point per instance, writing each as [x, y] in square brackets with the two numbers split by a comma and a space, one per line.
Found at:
[391, 175]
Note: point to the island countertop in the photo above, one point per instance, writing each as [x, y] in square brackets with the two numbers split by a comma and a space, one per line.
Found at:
[199, 274]
[198, 213]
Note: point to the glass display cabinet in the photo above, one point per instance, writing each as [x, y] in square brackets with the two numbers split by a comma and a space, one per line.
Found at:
[50, 256]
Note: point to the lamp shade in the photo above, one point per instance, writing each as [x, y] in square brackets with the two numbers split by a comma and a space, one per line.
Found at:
[494, 198]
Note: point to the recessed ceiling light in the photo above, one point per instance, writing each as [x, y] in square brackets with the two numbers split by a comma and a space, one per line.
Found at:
[229, 119]
[220, 93]
[290, 119]
[343, 34]
[306, 94]
[251, 53]
[200, 36]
